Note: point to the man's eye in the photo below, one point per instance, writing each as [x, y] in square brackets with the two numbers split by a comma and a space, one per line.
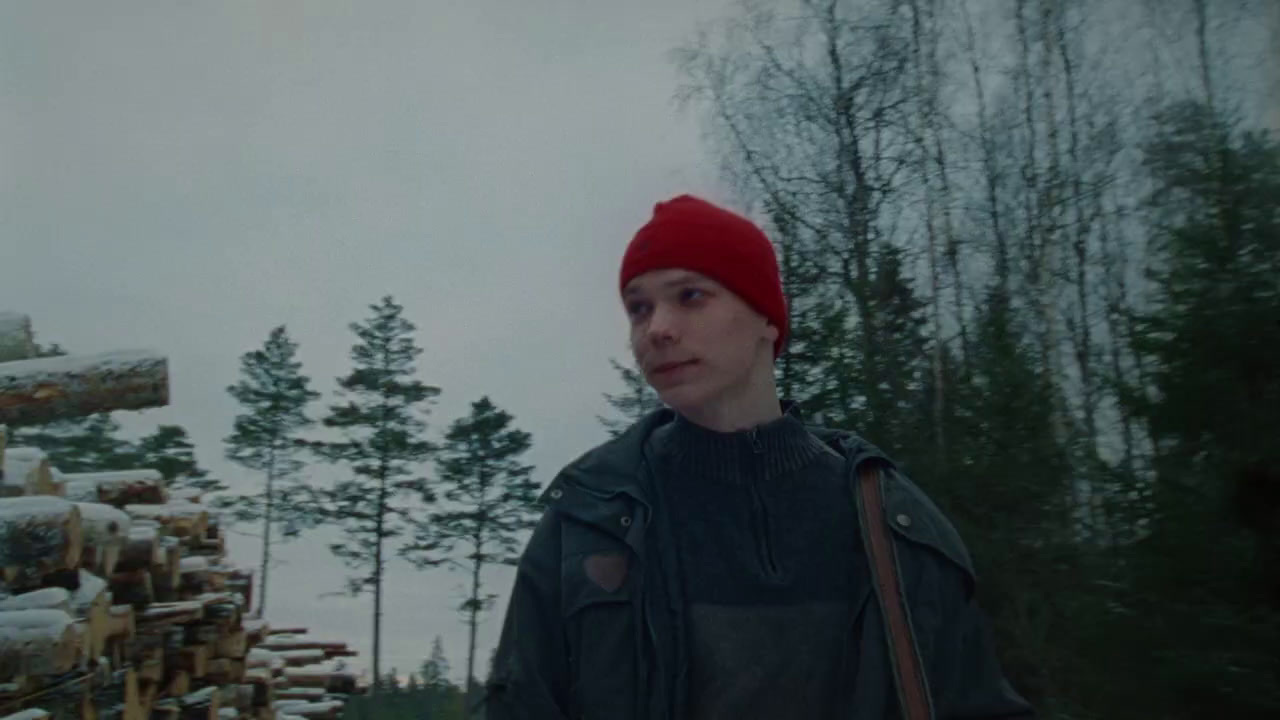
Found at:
[636, 309]
[691, 294]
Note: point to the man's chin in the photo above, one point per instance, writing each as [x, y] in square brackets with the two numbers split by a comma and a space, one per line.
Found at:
[682, 397]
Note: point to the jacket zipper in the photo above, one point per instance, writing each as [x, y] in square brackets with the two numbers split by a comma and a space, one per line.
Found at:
[764, 544]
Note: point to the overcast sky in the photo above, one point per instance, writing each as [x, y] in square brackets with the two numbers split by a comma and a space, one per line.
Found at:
[184, 176]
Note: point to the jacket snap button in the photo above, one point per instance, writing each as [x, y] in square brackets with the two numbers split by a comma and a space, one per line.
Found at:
[626, 521]
[904, 521]
[556, 493]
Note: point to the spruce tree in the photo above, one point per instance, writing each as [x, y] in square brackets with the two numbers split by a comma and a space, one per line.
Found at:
[274, 395]
[1206, 534]
[435, 669]
[88, 444]
[636, 400]
[170, 452]
[480, 472]
[381, 420]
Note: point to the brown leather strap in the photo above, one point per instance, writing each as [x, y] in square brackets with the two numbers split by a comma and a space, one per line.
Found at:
[908, 675]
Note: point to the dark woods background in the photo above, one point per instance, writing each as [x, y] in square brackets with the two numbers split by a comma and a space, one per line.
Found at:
[1034, 253]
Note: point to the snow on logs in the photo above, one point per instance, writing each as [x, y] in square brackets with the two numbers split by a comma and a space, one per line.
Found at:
[37, 642]
[183, 520]
[105, 530]
[117, 488]
[32, 714]
[43, 389]
[26, 471]
[310, 710]
[142, 548]
[39, 535]
[52, 598]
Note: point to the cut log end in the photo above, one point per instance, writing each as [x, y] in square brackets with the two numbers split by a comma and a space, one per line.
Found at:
[38, 536]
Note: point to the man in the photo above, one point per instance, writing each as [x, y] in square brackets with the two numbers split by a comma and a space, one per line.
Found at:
[721, 558]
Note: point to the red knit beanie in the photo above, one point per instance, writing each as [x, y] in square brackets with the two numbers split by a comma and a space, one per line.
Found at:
[692, 234]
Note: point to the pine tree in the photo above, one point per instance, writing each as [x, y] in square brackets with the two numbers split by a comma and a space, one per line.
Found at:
[636, 401]
[170, 452]
[435, 669]
[479, 471]
[274, 394]
[89, 444]
[383, 428]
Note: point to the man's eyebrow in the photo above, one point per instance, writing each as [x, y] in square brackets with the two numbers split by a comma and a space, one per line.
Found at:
[683, 279]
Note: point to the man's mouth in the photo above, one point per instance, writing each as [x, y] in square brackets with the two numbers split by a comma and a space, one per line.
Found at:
[666, 368]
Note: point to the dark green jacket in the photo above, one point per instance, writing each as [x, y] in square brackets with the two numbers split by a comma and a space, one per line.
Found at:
[595, 626]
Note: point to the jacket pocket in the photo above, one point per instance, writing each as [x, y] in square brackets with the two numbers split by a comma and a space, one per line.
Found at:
[597, 593]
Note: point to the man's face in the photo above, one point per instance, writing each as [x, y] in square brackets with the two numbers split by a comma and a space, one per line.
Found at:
[695, 341]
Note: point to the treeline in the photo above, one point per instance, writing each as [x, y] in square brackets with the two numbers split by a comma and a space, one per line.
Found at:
[1033, 249]
[427, 694]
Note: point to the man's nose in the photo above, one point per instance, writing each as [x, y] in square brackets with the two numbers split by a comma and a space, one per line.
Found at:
[663, 325]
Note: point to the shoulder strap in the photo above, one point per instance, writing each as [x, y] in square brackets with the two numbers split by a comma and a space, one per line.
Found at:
[908, 674]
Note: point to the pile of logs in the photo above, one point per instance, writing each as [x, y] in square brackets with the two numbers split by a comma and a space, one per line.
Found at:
[116, 598]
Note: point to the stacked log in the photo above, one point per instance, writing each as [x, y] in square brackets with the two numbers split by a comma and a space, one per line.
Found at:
[27, 472]
[144, 587]
[39, 535]
[45, 389]
[116, 598]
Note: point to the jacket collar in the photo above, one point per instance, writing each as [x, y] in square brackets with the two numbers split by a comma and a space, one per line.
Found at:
[613, 467]
[606, 488]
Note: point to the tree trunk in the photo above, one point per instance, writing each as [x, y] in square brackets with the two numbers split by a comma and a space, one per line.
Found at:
[380, 528]
[44, 389]
[1202, 53]
[38, 536]
[1082, 333]
[266, 530]
[991, 179]
[951, 244]
[475, 614]
[926, 93]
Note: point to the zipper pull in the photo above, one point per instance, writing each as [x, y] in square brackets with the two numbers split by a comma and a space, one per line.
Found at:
[756, 445]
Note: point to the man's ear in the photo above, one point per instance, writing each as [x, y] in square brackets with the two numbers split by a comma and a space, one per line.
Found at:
[771, 331]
